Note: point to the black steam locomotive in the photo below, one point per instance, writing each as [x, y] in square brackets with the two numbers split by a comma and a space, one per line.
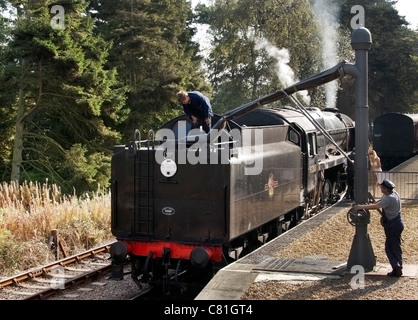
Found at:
[185, 202]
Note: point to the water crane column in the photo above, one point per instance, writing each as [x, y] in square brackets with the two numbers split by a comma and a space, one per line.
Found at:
[361, 250]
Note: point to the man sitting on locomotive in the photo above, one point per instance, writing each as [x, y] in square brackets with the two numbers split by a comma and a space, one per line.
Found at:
[197, 106]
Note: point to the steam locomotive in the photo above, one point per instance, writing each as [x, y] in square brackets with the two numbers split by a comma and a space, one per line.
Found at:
[186, 202]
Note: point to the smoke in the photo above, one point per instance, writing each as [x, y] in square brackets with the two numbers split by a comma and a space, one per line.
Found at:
[283, 70]
[327, 15]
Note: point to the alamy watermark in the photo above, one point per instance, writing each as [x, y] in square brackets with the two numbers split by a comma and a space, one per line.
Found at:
[58, 279]
[359, 19]
[248, 148]
[357, 281]
[58, 20]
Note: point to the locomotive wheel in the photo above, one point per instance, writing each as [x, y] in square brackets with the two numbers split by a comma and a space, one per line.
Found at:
[334, 191]
[326, 193]
[136, 272]
[342, 186]
[142, 273]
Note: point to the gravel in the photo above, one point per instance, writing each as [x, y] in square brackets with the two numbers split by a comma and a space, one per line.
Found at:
[101, 288]
[330, 240]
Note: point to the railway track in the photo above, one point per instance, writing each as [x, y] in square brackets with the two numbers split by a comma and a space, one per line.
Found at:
[43, 282]
[47, 281]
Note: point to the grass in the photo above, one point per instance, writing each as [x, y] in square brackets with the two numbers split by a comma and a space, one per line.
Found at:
[30, 211]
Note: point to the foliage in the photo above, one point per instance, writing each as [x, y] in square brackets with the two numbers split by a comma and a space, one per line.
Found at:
[262, 46]
[241, 72]
[87, 170]
[154, 56]
[30, 211]
[64, 95]
[393, 69]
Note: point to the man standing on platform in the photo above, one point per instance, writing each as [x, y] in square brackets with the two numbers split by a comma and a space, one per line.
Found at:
[392, 223]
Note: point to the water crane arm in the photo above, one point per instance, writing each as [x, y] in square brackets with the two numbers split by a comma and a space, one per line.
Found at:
[311, 82]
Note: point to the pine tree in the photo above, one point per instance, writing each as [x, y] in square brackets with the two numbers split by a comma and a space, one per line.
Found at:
[154, 54]
[67, 102]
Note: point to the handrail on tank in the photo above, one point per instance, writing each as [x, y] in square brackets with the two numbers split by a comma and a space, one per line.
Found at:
[137, 139]
[150, 138]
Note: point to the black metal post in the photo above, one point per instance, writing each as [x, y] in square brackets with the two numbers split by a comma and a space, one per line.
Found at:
[361, 250]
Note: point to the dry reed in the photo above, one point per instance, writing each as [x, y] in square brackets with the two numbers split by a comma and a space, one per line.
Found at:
[28, 213]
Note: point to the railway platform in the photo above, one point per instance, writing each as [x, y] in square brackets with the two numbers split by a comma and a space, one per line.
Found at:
[231, 282]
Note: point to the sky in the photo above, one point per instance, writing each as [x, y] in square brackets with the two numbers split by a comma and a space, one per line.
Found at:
[406, 8]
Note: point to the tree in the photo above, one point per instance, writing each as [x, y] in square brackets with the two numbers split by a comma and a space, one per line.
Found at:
[154, 55]
[393, 69]
[65, 97]
[239, 72]
[260, 47]
[7, 98]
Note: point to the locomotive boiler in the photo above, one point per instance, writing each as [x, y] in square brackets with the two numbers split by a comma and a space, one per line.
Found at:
[185, 203]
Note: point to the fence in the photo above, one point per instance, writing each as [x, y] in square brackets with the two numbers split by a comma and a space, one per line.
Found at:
[406, 183]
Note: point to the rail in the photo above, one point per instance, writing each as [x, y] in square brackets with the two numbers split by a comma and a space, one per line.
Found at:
[42, 282]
